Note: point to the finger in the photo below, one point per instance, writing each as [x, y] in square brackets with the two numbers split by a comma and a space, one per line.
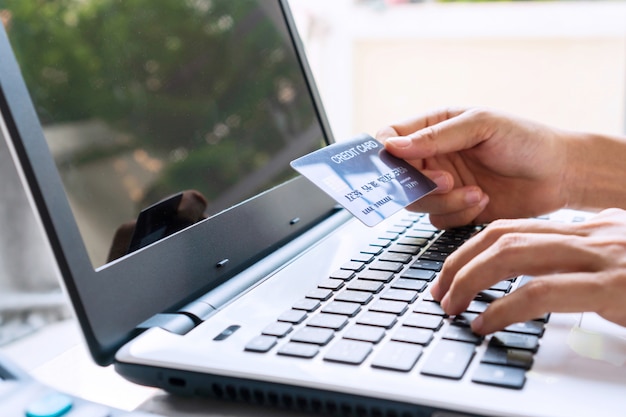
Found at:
[518, 254]
[454, 200]
[462, 131]
[461, 218]
[413, 124]
[465, 256]
[551, 293]
[386, 132]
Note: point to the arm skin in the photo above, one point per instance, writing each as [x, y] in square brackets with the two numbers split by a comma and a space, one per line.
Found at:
[489, 166]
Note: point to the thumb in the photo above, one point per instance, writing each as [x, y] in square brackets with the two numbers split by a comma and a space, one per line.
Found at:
[458, 133]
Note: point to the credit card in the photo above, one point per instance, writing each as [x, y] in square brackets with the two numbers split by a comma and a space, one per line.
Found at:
[364, 178]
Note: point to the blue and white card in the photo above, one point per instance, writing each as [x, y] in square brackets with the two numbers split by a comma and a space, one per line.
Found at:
[364, 178]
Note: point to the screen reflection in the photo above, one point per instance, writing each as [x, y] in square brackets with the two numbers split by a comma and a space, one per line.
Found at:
[161, 114]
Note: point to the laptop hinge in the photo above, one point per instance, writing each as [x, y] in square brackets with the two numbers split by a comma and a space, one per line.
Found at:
[172, 322]
[198, 311]
[182, 321]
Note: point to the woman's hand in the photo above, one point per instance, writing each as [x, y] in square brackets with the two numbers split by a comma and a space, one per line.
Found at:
[577, 267]
[487, 165]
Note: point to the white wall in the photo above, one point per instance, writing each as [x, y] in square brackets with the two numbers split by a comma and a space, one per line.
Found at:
[562, 63]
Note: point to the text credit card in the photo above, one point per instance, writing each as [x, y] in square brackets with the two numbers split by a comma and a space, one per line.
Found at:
[364, 178]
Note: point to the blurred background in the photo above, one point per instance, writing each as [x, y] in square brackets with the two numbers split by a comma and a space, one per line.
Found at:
[374, 62]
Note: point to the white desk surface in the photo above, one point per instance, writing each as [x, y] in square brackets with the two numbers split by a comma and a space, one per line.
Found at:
[58, 357]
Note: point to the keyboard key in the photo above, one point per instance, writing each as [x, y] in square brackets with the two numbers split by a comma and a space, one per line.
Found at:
[343, 308]
[426, 226]
[315, 335]
[409, 284]
[464, 319]
[508, 357]
[389, 235]
[331, 284]
[349, 296]
[462, 334]
[365, 285]
[426, 264]
[404, 223]
[405, 249]
[449, 359]
[501, 376]
[412, 241]
[515, 341]
[278, 329]
[530, 327]
[443, 247]
[363, 257]
[502, 286]
[389, 306]
[353, 266]
[347, 351]
[301, 350]
[396, 294]
[293, 316]
[523, 280]
[397, 356]
[364, 333]
[429, 307]
[413, 335]
[398, 229]
[319, 294]
[544, 318]
[489, 295]
[382, 276]
[386, 266]
[422, 234]
[372, 250]
[402, 258]
[372, 318]
[261, 344]
[426, 321]
[329, 321]
[428, 297]
[422, 274]
[342, 274]
[381, 243]
[430, 255]
[477, 306]
[307, 304]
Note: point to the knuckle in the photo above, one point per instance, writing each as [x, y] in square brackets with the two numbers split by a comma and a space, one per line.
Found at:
[480, 113]
[511, 241]
[500, 227]
[537, 289]
[386, 132]
[428, 134]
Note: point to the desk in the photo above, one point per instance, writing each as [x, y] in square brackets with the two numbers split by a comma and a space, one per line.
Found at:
[58, 357]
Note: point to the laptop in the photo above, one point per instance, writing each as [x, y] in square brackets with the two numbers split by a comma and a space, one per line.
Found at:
[155, 138]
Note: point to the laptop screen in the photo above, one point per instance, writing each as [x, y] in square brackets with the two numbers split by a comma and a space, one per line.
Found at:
[162, 114]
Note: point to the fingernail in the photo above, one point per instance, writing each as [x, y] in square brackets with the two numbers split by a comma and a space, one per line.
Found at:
[399, 141]
[442, 182]
[444, 302]
[477, 324]
[434, 290]
[473, 197]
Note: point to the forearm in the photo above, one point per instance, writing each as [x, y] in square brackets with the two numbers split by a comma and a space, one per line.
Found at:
[596, 171]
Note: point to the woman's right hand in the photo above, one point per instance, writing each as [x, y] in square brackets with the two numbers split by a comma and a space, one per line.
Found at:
[487, 165]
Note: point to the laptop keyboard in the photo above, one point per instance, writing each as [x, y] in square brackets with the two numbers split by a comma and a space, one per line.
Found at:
[376, 310]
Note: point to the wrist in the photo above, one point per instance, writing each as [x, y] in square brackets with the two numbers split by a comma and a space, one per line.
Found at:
[594, 173]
